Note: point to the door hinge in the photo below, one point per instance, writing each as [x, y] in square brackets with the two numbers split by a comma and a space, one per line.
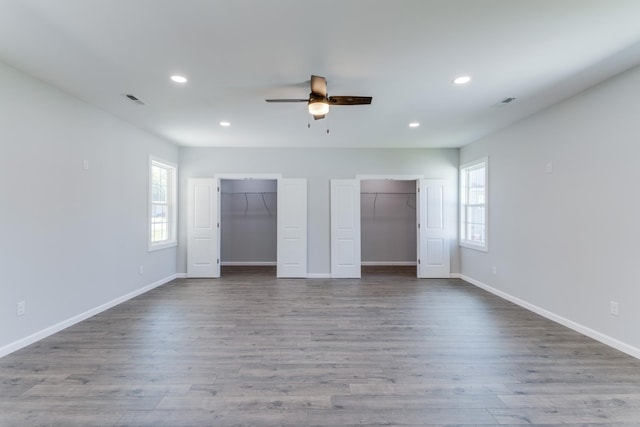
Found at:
[418, 261]
[218, 188]
[218, 261]
[418, 225]
[218, 225]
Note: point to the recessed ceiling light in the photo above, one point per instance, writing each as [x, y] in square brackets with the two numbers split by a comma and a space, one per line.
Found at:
[179, 79]
[225, 124]
[462, 80]
[414, 124]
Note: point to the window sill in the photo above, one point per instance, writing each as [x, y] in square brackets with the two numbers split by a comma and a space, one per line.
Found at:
[474, 246]
[159, 246]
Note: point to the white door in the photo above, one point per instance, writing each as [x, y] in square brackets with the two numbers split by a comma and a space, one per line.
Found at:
[345, 228]
[433, 239]
[203, 242]
[292, 228]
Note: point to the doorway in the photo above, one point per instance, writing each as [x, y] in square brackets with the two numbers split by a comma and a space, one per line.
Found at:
[431, 227]
[388, 226]
[248, 222]
[250, 212]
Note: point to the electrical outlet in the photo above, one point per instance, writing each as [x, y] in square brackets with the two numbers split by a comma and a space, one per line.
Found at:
[21, 308]
[549, 167]
[615, 308]
[494, 270]
[141, 269]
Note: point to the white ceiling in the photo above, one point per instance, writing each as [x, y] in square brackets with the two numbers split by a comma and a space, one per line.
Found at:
[404, 53]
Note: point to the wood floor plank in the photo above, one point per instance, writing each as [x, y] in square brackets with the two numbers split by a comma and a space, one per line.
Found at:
[573, 401]
[251, 350]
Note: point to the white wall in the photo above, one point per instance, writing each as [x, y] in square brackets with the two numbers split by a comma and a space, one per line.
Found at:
[318, 166]
[566, 242]
[71, 240]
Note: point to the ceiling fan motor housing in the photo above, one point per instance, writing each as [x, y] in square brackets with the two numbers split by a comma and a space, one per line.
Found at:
[317, 97]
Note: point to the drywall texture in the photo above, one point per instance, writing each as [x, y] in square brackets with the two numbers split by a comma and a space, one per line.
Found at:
[72, 239]
[319, 166]
[563, 209]
[248, 221]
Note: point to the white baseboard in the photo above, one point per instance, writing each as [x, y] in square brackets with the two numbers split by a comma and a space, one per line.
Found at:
[598, 336]
[388, 263]
[248, 264]
[319, 276]
[23, 342]
[328, 275]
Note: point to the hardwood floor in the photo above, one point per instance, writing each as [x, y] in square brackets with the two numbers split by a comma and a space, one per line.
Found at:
[251, 350]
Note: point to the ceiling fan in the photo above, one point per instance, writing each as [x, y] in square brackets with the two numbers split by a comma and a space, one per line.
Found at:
[319, 102]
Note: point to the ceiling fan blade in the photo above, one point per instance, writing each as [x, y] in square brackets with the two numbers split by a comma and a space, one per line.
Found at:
[319, 85]
[319, 116]
[287, 100]
[350, 100]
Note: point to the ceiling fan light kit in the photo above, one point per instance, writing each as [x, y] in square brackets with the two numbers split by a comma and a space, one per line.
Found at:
[318, 101]
[318, 108]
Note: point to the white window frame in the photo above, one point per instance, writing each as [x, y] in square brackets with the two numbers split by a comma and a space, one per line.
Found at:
[464, 192]
[172, 201]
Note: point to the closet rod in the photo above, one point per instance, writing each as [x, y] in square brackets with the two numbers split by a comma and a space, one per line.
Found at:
[377, 193]
[246, 198]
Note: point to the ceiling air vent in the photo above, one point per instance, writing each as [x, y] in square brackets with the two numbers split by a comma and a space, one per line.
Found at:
[133, 98]
[504, 101]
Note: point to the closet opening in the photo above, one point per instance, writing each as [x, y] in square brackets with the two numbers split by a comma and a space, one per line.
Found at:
[388, 227]
[248, 226]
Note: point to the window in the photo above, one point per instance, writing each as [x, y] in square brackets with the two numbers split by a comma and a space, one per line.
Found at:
[473, 204]
[162, 204]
